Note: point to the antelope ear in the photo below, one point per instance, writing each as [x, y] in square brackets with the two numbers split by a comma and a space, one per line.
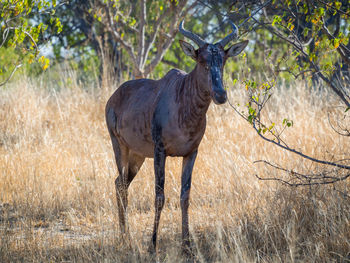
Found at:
[188, 49]
[236, 48]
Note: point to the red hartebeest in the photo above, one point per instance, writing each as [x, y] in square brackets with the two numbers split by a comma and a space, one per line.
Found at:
[167, 117]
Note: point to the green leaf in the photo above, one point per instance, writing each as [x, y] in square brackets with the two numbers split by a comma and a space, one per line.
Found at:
[132, 22]
[336, 42]
[287, 122]
[337, 5]
[269, 54]
[276, 19]
[321, 11]
[250, 118]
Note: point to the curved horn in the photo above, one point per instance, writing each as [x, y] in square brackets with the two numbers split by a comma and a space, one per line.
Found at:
[231, 36]
[198, 40]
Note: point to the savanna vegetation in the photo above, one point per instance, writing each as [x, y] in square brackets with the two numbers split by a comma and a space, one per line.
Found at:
[270, 183]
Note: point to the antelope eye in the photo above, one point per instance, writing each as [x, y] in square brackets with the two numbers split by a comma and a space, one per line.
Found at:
[207, 67]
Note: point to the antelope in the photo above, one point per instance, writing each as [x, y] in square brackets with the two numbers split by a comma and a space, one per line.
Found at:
[167, 117]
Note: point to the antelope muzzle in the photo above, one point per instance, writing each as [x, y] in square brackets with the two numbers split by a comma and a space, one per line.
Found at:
[219, 94]
[220, 97]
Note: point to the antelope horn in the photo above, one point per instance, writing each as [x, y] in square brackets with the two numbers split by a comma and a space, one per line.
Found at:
[198, 40]
[231, 36]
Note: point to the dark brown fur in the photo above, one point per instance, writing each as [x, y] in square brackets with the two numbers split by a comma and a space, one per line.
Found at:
[166, 117]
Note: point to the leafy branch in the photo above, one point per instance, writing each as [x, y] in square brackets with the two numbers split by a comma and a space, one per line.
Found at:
[17, 33]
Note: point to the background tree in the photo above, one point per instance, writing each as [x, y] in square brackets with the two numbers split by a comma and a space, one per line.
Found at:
[125, 36]
[139, 25]
[86, 39]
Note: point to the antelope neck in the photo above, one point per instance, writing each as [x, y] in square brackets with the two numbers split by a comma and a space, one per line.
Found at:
[196, 98]
[201, 94]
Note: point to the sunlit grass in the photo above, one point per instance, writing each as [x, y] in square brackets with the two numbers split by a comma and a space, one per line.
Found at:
[57, 171]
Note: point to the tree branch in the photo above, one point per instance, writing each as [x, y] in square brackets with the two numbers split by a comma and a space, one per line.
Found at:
[173, 30]
[302, 179]
[295, 42]
[347, 167]
[141, 41]
[11, 75]
[152, 38]
[128, 47]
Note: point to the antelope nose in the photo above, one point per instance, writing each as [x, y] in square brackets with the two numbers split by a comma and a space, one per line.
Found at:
[220, 97]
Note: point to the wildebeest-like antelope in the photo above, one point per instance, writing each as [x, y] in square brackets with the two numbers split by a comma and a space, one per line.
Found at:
[167, 117]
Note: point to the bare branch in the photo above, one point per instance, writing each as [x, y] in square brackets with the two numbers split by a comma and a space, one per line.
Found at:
[294, 75]
[11, 75]
[346, 131]
[321, 182]
[169, 62]
[299, 179]
[299, 152]
[254, 13]
[153, 36]
[4, 36]
[141, 40]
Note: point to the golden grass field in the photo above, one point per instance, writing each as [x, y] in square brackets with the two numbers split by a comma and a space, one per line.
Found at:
[57, 172]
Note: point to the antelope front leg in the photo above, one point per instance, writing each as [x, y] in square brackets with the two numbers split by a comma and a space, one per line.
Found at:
[159, 167]
[187, 167]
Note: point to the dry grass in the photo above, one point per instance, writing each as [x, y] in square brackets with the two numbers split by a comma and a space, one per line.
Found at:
[57, 176]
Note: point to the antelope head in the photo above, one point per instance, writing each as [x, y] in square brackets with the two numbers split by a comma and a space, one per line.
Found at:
[211, 59]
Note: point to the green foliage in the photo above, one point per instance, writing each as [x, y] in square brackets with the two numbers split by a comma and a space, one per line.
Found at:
[323, 48]
[21, 34]
[288, 123]
[299, 40]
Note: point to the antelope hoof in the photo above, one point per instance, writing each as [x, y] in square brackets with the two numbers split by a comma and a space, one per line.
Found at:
[187, 249]
[152, 248]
